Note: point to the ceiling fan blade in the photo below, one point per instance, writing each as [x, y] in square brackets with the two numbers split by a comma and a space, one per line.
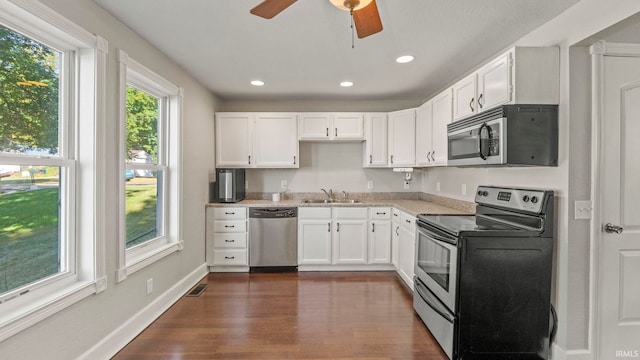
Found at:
[270, 8]
[367, 20]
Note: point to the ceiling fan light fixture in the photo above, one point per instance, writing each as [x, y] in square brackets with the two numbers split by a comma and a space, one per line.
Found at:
[404, 59]
[346, 84]
[257, 82]
[348, 5]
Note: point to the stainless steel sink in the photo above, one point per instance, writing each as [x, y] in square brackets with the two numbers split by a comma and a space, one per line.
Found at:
[331, 201]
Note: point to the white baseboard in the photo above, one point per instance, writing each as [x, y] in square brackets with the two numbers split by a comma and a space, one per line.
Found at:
[367, 267]
[126, 332]
[580, 355]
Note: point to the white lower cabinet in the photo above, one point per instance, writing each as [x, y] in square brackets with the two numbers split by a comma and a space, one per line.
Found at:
[226, 239]
[406, 248]
[350, 236]
[395, 238]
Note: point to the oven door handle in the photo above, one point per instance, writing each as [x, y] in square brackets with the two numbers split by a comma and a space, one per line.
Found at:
[433, 302]
[433, 236]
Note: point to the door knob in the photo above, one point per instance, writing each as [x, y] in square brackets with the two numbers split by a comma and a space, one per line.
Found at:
[610, 228]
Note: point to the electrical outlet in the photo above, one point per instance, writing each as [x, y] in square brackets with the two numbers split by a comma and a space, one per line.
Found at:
[583, 210]
[463, 189]
[149, 286]
[283, 185]
[438, 186]
[370, 184]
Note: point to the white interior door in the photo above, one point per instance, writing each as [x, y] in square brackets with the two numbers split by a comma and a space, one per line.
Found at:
[619, 196]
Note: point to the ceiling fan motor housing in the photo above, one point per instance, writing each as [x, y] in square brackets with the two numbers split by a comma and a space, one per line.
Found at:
[350, 5]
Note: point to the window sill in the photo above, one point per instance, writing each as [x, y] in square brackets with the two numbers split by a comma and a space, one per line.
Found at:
[23, 317]
[135, 263]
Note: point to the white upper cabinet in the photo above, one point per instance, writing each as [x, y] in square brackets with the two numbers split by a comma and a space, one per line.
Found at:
[521, 75]
[233, 139]
[442, 116]
[375, 140]
[402, 138]
[276, 141]
[248, 140]
[424, 143]
[331, 126]
[464, 97]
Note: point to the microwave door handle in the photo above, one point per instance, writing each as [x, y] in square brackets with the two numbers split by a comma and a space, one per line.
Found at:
[481, 153]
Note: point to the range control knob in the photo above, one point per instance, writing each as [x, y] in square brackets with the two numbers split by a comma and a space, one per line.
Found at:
[525, 198]
[534, 199]
[479, 192]
[485, 193]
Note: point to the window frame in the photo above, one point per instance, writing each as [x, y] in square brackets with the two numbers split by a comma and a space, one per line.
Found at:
[81, 153]
[133, 73]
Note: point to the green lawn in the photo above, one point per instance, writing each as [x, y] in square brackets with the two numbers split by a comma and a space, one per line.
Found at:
[29, 231]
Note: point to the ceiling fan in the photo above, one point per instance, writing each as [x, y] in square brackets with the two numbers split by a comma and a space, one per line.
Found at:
[363, 12]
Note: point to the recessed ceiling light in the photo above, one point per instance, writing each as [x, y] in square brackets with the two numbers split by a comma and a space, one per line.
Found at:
[404, 59]
[257, 82]
[346, 84]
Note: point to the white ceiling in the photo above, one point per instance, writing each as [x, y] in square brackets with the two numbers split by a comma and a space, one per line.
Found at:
[305, 51]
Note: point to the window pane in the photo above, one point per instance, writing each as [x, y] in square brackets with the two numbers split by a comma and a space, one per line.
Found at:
[29, 225]
[29, 84]
[143, 207]
[142, 126]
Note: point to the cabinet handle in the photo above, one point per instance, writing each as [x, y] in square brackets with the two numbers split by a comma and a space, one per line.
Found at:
[327, 132]
[329, 227]
[392, 159]
[397, 230]
[229, 257]
[433, 158]
[229, 226]
[370, 159]
[381, 213]
[471, 104]
[396, 215]
[294, 159]
[408, 221]
[373, 227]
[249, 159]
[229, 241]
[479, 103]
[338, 227]
[229, 213]
[336, 132]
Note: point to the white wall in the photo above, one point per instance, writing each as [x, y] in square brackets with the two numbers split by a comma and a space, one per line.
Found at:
[571, 278]
[73, 331]
[336, 166]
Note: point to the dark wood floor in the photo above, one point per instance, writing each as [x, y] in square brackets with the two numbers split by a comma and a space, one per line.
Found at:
[290, 316]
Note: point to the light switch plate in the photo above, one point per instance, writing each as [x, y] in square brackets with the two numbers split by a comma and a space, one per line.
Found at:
[583, 210]
[370, 184]
[463, 189]
[283, 185]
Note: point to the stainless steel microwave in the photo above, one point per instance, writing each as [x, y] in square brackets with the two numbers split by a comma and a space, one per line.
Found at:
[509, 135]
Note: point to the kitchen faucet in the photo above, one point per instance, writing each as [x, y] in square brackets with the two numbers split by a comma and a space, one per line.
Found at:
[328, 193]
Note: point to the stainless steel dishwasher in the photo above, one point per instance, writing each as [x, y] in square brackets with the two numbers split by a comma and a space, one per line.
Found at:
[273, 239]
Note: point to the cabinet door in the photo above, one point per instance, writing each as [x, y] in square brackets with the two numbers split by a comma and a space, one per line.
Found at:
[395, 245]
[375, 140]
[348, 126]
[402, 138]
[314, 241]
[233, 140]
[424, 121]
[494, 83]
[379, 242]
[407, 255]
[464, 97]
[314, 126]
[442, 116]
[276, 141]
[350, 242]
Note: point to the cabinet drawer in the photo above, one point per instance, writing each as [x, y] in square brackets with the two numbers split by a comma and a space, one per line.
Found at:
[230, 226]
[230, 257]
[314, 212]
[230, 213]
[230, 240]
[350, 213]
[407, 221]
[379, 213]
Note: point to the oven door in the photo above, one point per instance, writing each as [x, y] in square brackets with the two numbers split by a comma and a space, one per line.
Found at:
[478, 144]
[437, 263]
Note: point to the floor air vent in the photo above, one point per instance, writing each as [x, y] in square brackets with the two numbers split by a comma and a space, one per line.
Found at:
[199, 289]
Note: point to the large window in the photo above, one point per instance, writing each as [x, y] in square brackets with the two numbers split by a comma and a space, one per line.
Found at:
[50, 238]
[150, 130]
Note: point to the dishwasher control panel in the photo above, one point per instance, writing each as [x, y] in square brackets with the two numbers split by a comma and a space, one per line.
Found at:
[266, 213]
